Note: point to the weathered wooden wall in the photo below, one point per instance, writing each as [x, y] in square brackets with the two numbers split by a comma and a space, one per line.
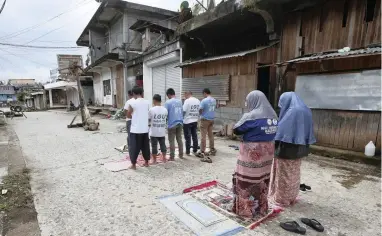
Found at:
[356, 34]
[243, 72]
[349, 130]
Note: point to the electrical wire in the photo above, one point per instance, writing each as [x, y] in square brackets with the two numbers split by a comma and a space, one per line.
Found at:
[24, 58]
[25, 30]
[2, 7]
[35, 46]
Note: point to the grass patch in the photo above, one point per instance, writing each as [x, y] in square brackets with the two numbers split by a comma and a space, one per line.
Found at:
[19, 192]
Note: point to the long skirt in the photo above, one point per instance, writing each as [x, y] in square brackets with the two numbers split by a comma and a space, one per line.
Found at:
[285, 182]
[251, 179]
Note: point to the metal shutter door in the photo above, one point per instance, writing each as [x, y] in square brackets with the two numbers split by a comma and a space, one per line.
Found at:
[159, 80]
[173, 75]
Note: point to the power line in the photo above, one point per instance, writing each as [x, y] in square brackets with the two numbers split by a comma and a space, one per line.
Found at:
[25, 30]
[35, 46]
[24, 58]
[2, 7]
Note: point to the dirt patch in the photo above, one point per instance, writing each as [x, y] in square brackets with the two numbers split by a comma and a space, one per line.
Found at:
[18, 205]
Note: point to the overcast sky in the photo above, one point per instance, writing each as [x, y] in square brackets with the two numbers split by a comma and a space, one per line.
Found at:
[19, 15]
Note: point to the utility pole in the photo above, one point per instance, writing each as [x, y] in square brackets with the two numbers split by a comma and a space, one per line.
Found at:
[87, 122]
[76, 72]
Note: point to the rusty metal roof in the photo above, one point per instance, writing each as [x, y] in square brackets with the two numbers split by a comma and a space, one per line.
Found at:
[328, 55]
[236, 54]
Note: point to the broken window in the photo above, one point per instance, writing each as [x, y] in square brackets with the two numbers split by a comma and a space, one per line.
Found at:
[345, 13]
[370, 9]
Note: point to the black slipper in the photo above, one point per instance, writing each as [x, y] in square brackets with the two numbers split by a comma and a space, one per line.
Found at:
[313, 223]
[293, 226]
[306, 187]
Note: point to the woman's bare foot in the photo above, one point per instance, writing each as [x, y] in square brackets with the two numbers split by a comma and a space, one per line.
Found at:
[154, 160]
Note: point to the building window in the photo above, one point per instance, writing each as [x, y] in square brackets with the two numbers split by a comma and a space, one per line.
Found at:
[345, 13]
[370, 9]
[106, 88]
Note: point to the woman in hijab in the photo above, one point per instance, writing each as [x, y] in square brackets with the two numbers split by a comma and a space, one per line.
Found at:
[253, 168]
[294, 135]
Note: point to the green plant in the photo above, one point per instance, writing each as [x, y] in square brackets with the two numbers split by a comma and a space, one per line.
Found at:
[21, 97]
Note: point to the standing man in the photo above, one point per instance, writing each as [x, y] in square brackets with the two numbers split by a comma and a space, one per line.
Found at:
[207, 113]
[128, 120]
[158, 119]
[175, 123]
[139, 131]
[190, 122]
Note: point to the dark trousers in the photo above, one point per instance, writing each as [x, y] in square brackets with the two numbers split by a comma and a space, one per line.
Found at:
[154, 145]
[128, 126]
[190, 130]
[138, 143]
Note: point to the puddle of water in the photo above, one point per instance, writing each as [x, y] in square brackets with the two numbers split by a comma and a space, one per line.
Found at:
[350, 180]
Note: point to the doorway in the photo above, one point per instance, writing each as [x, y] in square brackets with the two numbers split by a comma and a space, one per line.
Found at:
[263, 81]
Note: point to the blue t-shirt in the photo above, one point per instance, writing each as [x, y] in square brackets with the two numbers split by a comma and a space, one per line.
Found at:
[175, 112]
[260, 130]
[208, 105]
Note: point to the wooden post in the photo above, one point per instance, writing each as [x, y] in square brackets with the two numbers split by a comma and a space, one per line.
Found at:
[76, 73]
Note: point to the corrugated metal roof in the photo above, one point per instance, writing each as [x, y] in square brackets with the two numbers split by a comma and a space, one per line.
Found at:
[373, 50]
[237, 54]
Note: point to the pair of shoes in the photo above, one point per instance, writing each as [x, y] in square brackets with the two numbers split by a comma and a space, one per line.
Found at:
[304, 188]
[206, 159]
[293, 226]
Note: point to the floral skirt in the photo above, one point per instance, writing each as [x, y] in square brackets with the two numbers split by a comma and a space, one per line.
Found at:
[285, 182]
[251, 179]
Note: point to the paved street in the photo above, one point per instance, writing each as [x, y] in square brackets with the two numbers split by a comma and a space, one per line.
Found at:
[75, 195]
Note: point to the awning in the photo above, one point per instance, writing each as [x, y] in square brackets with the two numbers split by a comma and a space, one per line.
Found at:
[60, 85]
[108, 60]
[237, 54]
[336, 54]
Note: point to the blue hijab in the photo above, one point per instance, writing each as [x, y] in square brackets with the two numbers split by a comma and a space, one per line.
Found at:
[295, 121]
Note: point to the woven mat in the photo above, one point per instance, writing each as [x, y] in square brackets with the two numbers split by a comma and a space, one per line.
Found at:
[220, 198]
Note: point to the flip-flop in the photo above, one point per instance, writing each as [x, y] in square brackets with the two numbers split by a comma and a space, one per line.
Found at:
[313, 223]
[306, 187]
[293, 226]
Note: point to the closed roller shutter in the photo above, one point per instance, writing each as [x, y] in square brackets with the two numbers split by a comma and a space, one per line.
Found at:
[173, 75]
[159, 79]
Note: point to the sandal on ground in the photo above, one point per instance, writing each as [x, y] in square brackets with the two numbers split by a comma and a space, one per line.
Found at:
[199, 154]
[293, 226]
[305, 187]
[313, 223]
[206, 159]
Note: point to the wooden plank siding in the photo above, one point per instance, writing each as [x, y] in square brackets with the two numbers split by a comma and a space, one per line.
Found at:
[243, 72]
[120, 86]
[350, 130]
[356, 34]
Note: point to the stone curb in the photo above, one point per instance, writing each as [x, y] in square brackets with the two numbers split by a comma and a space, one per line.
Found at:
[345, 155]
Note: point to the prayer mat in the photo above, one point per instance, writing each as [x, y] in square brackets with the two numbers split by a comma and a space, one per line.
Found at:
[220, 198]
[199, 218]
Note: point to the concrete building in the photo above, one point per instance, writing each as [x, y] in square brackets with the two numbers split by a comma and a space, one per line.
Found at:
[114, 37]
[7, 92]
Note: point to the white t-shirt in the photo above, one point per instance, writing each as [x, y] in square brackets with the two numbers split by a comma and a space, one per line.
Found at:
[191, 109]
[140, 116]
[158, 117]
[126, 107]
